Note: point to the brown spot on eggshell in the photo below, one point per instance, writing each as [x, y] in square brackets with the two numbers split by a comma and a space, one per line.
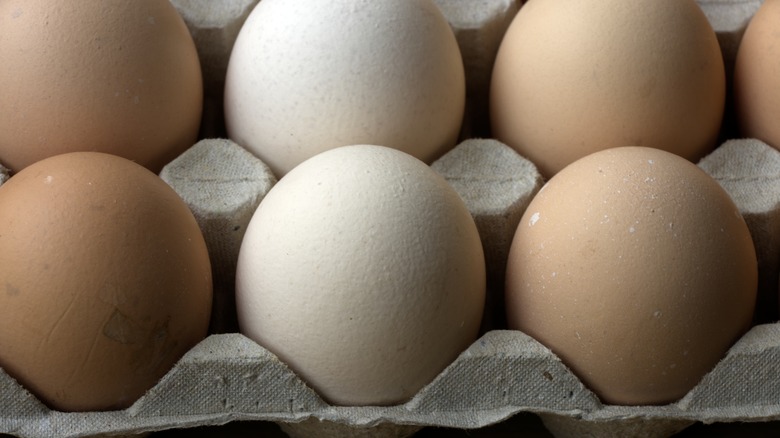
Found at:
[11, 290]
[123, 329]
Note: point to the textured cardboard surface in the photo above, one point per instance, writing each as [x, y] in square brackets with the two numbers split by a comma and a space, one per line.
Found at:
[729, 18]
[230, 378]
[749, 170]
[497, 185]
[223, 184]
[214, 26]
[479, 26]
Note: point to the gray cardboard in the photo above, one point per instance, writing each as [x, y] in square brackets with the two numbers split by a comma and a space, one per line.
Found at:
[479, 26]
[496, 184]
[223, 184]
[749, 170]
[567, 426]
[230, 378]
[214, 26]
[729, 18]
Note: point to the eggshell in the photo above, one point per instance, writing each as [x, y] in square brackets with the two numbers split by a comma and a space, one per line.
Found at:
[572, 78]
[308, 76]
[362, 270]
[637, 270]
[113, 76]
[756, 80]
[105, 280]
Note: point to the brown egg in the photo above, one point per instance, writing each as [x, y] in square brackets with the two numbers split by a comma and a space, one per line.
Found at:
[572, 78]
[637, 270]
[113, 76]
[756, 79]
[105, 280]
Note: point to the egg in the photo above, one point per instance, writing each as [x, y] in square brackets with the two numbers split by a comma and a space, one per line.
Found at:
[572, 78]
[105, 280]
[113, 76]
[637, 270]
[363, 271]
[756, 83]
[308, 76]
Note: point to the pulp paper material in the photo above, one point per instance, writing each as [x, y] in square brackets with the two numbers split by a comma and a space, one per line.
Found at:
[729, 18]
[479, 26]
[230, 378]
[223, 184]
[496, 185]
[314, 427]
[214, 27]
[749, 170]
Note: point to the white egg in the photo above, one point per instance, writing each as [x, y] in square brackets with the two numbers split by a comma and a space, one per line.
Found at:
[308, 76]
[362, 270]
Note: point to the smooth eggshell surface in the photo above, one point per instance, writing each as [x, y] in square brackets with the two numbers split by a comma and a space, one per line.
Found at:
[572, 78]
[362, 270]
[756, 78]
[112, 76]
[105, 280]
[307, 76]
[637, 270]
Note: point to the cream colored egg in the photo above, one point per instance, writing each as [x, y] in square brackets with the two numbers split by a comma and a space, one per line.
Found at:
[756, 79]
[362, 270]
[637, 270]
[307, 76]
[572, 78]
[113, 76]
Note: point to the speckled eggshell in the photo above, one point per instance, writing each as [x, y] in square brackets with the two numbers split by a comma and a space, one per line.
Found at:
[637, 270]
[756, 78]
[362, 270]
[105, 280]
[112, 76]
[572, 78]
[306, 76]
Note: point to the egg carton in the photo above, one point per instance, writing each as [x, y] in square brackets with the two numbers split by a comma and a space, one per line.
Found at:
[228, 377]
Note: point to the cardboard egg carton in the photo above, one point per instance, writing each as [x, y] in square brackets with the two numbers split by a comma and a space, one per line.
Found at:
[228, 377]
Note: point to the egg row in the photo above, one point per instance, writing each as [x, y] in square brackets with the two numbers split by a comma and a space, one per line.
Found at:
[363, 270]
[224, 370]
[619, 75]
